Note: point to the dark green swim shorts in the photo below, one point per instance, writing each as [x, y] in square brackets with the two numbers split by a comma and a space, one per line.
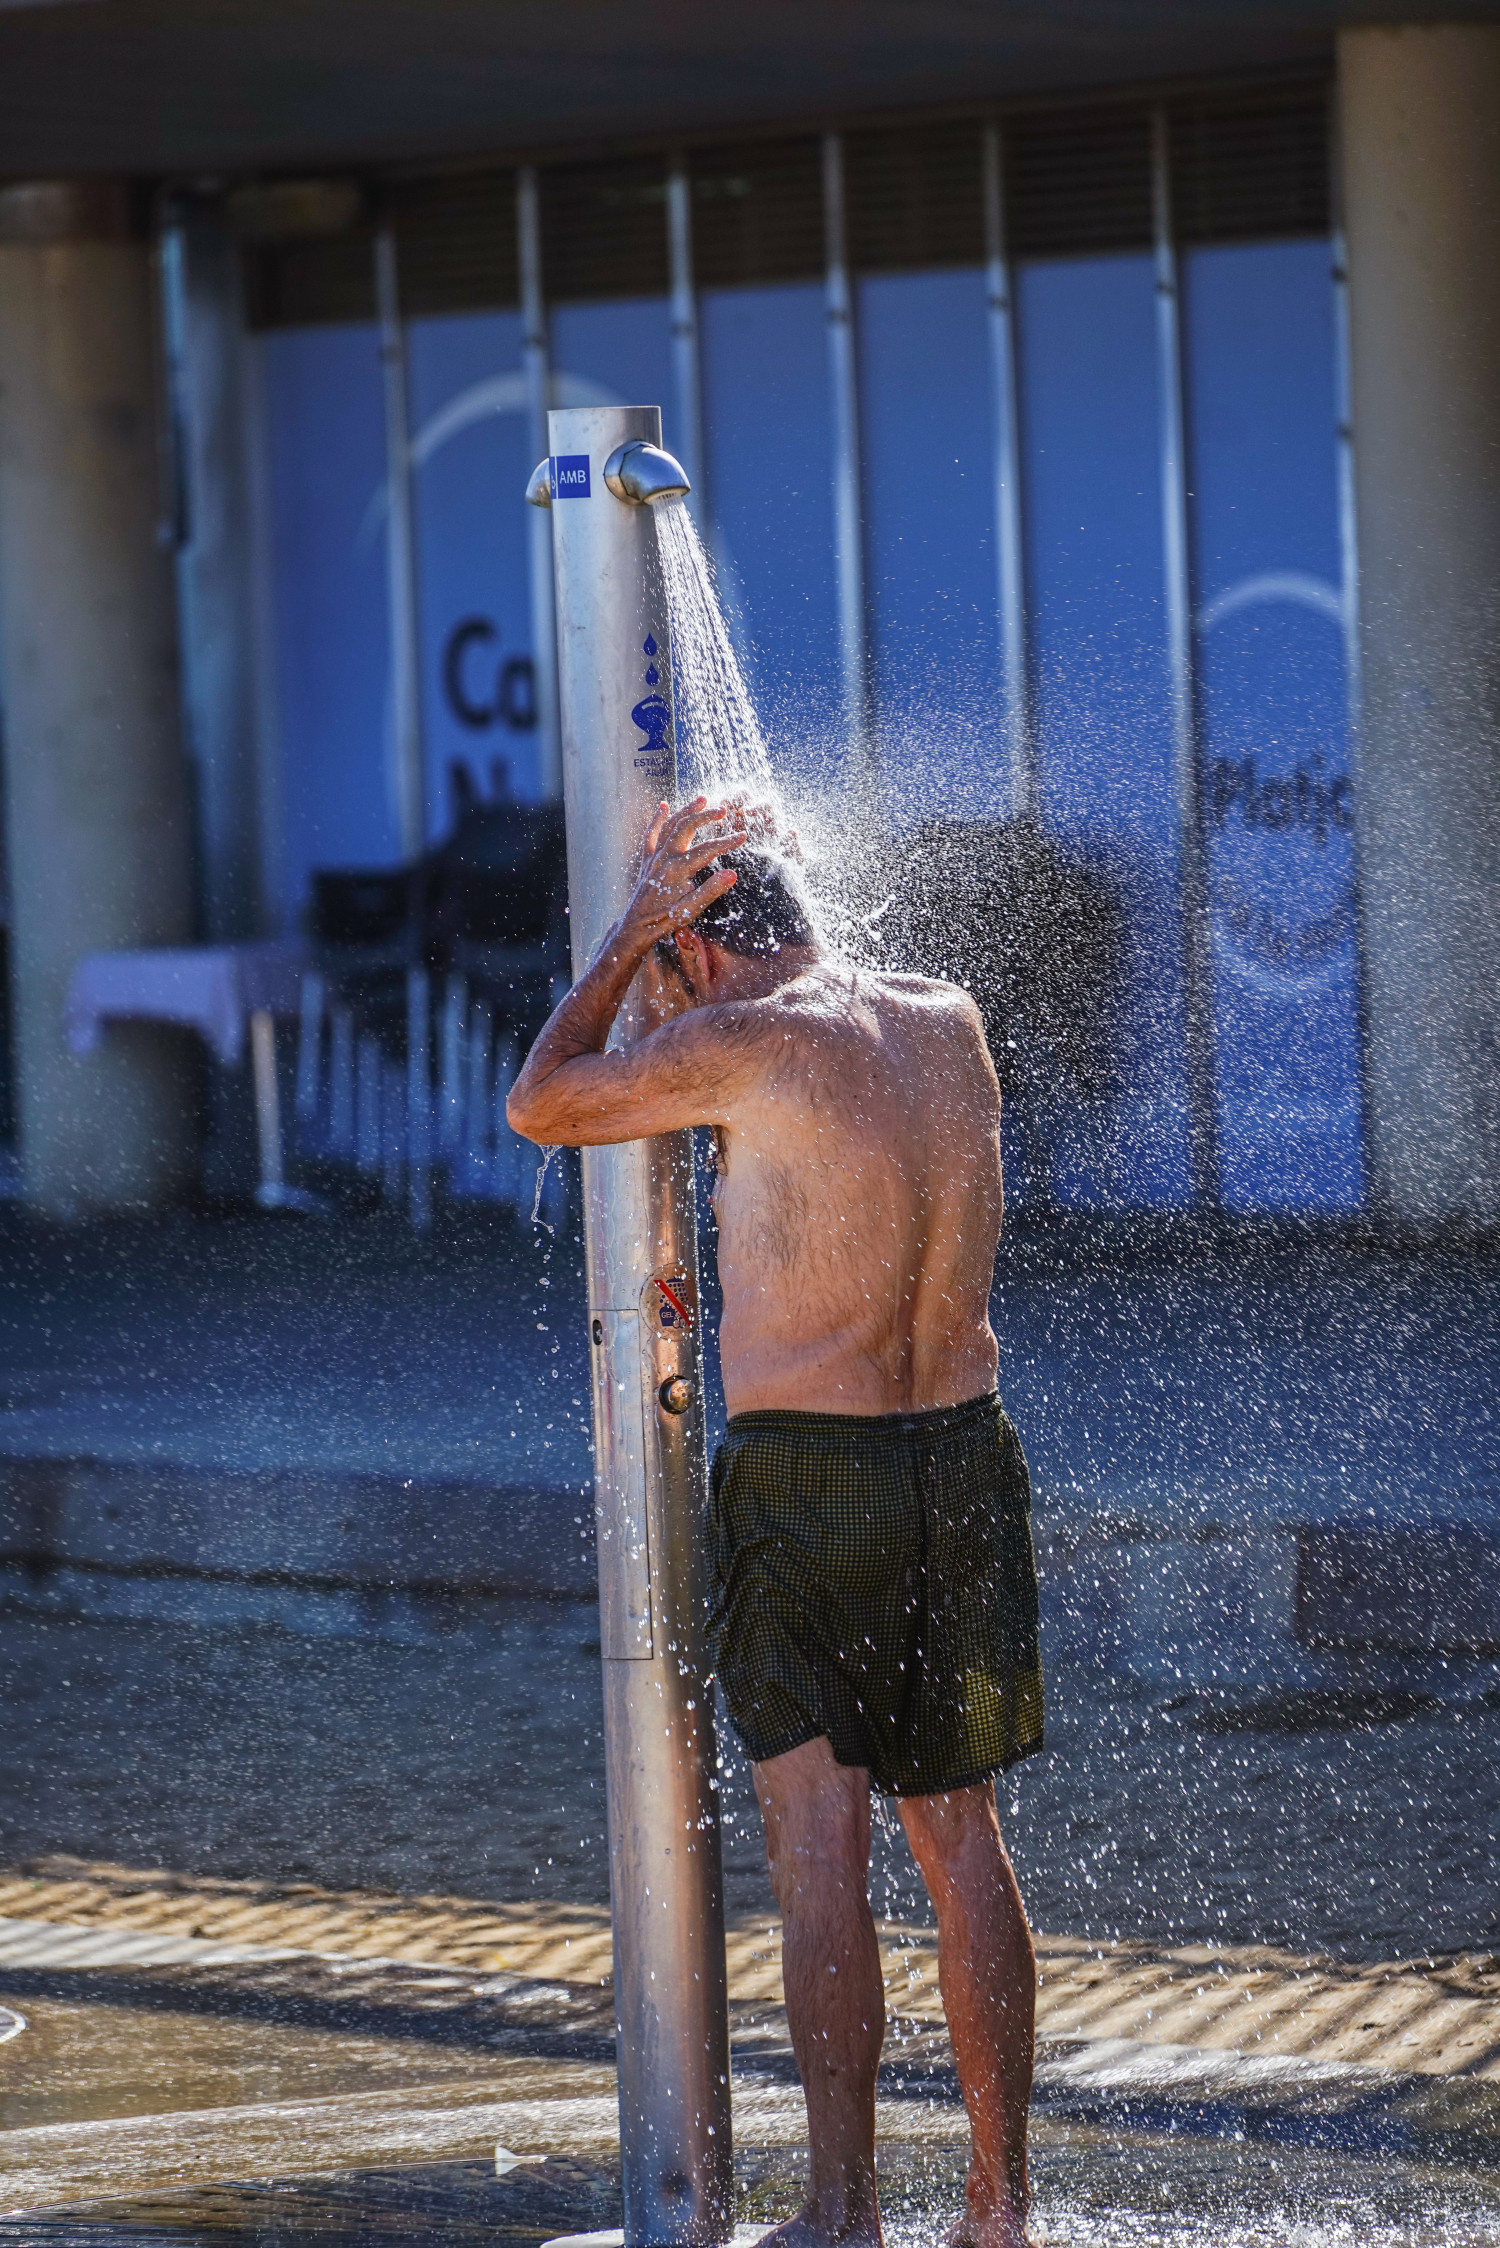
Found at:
[874, 1582]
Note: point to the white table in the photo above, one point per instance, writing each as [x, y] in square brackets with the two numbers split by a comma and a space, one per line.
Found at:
[229, 994]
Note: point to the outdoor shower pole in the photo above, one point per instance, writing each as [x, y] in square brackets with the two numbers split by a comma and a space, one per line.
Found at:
[666, 1883]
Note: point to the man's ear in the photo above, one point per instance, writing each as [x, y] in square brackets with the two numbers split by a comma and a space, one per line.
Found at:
[693, 955]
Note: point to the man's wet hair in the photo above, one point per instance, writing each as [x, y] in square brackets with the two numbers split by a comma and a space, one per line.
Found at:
[764, 910]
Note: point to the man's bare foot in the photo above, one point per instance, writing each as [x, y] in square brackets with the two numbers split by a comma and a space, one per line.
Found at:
[810, 2230]
[992, 2225]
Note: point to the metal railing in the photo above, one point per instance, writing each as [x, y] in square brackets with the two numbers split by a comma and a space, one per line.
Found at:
[401, 1083]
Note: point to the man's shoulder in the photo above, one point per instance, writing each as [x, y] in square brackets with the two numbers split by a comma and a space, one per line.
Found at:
[808, 1008]
[770, 1030]
[935, 989]
[805, 1014]
[942, 1021]
[935, 999]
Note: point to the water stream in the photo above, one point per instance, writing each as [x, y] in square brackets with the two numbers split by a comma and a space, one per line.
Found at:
[722, 750]
[720, 747]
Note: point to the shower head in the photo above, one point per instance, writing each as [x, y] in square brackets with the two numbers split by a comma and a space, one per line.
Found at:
[639, 473]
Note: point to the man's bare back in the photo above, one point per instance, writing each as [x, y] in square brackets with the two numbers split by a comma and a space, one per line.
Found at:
[858, 1197]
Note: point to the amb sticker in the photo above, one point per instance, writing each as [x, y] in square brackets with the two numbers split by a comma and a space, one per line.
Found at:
[570, 476]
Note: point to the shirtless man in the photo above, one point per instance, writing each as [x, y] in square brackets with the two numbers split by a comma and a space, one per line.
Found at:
[874, 1596]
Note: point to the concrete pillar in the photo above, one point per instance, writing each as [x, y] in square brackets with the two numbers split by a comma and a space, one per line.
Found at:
[1420, 140]
[216, 598]
[96, 812]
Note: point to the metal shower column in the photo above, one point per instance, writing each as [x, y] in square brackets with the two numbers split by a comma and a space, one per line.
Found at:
[666, 1884]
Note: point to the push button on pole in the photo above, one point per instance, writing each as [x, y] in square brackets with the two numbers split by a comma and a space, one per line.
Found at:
[676, 1393]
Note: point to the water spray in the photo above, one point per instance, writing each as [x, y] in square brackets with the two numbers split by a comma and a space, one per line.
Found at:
[605, 472]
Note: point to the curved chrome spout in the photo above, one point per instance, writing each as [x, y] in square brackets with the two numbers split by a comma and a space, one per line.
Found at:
[539, 484]
[640, 473]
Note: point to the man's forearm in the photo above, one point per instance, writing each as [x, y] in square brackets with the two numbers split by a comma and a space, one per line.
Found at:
[678, 881]
[581, 1022]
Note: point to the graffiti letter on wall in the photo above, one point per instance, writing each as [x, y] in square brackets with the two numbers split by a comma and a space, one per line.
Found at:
[513, 702]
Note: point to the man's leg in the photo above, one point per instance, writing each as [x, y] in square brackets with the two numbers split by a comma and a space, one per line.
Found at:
[987, 1973]
[817, 1815]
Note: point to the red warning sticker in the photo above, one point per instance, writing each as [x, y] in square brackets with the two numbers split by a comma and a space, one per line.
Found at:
[674, 1301]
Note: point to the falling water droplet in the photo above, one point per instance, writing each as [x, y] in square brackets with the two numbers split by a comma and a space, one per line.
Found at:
[536, 1199]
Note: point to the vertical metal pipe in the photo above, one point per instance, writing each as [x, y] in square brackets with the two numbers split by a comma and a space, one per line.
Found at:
[1177, 578]
[340, 1081]
[537, 377]
[311, 995]
[665, 1877]
[267, 1106]
[409, 778]
[419, 1097]
[1025, 791]
[848, 526]
[367, 1103]
[259, 617]
[203, 332]
[686, 373]
[1349, 587]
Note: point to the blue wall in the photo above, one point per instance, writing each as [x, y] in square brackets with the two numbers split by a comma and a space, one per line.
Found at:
[1259, 350]
[768, 434]
[324, 407]
[1258, 353]
[1089, 431]
[469, 438]
[927, 431]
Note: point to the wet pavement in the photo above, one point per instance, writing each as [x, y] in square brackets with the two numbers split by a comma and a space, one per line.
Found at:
[356, 1759]
[180, 2088]
[1093, 2189]
[1318, 2166]
[1153, 1366]
[450, 1746]
[189, 2085]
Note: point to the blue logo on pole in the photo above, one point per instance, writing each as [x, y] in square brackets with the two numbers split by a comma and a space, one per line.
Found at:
[570, 476]
[653, 715]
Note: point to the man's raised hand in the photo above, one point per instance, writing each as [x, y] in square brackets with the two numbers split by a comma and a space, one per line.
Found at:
[666, 895]
[764, 830]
